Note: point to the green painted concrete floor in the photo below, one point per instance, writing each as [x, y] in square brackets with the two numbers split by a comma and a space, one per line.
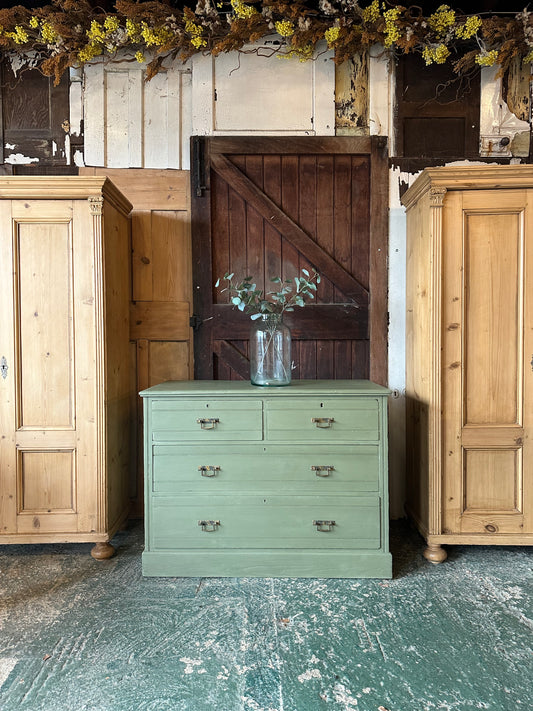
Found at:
[81, 635]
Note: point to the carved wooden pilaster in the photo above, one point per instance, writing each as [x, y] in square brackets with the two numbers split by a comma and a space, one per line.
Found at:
[436, 201]
[96, 205]
[436, 196]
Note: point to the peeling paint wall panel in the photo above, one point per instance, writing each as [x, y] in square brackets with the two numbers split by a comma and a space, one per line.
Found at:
[496, 118]
[94, 114]
[162, 100]
[381, 81]
[268, 95]
[516, 89]
[131, 123]
[352, 96]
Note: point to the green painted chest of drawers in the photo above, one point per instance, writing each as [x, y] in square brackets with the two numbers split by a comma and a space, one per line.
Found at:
[273, 482]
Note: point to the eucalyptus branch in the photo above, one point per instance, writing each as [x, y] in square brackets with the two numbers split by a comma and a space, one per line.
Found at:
[246, 297]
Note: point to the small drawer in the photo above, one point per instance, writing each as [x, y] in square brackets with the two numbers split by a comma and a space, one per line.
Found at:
[263, 521]
[327, 420]
[269, 468]
[206, 420]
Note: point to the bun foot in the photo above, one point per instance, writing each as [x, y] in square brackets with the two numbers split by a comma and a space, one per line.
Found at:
[102, 551]
[435, 553]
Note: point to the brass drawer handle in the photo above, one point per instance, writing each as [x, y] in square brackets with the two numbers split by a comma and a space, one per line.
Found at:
[323, 421]
[208, 423]
[324, 526]
[209, 470]
[323, 470]
[209, 526]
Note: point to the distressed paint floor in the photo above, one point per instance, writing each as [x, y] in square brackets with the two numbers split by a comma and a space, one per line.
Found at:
[82, 635]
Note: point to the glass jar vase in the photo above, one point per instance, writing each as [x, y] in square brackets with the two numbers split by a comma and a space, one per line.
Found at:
[270, 351]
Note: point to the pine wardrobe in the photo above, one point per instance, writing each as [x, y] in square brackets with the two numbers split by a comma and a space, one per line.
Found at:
[64, 360]
[469, 355]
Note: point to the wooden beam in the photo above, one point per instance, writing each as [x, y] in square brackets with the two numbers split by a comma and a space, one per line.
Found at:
[379, 250]
[320, 321]
[295, 145]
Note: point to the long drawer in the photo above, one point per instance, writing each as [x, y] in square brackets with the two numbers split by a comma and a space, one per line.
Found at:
[323, 420]
[209, 420]
[269, 468]
[263, 521]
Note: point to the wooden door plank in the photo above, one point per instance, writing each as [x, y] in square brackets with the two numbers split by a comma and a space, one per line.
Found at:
[142, 267]
[159, 320]
[325, 264]
[233, 358]
[342, 221]
[237, 210]
[361, 225]
[325, 233]
[254, 227]
[290, 203]
[325, 360]
[272, 244]
[307, 197]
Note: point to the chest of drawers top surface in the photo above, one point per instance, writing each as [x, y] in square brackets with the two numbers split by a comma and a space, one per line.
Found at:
[297, 388]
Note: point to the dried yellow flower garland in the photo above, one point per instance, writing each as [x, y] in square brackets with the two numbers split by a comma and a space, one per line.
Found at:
[70, 32]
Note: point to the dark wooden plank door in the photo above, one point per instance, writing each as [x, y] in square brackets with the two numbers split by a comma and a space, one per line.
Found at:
[271, 206]
[34, 118]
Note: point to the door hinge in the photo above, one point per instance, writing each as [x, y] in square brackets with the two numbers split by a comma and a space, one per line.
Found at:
[198, 165]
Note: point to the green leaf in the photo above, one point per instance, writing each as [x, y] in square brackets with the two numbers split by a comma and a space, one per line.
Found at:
[305, 272]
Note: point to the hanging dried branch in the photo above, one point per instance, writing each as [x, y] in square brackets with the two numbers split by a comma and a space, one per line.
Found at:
[73, 32]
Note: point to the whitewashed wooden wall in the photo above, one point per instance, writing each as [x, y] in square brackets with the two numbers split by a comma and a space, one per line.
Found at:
[245, 93]
[132, 123]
